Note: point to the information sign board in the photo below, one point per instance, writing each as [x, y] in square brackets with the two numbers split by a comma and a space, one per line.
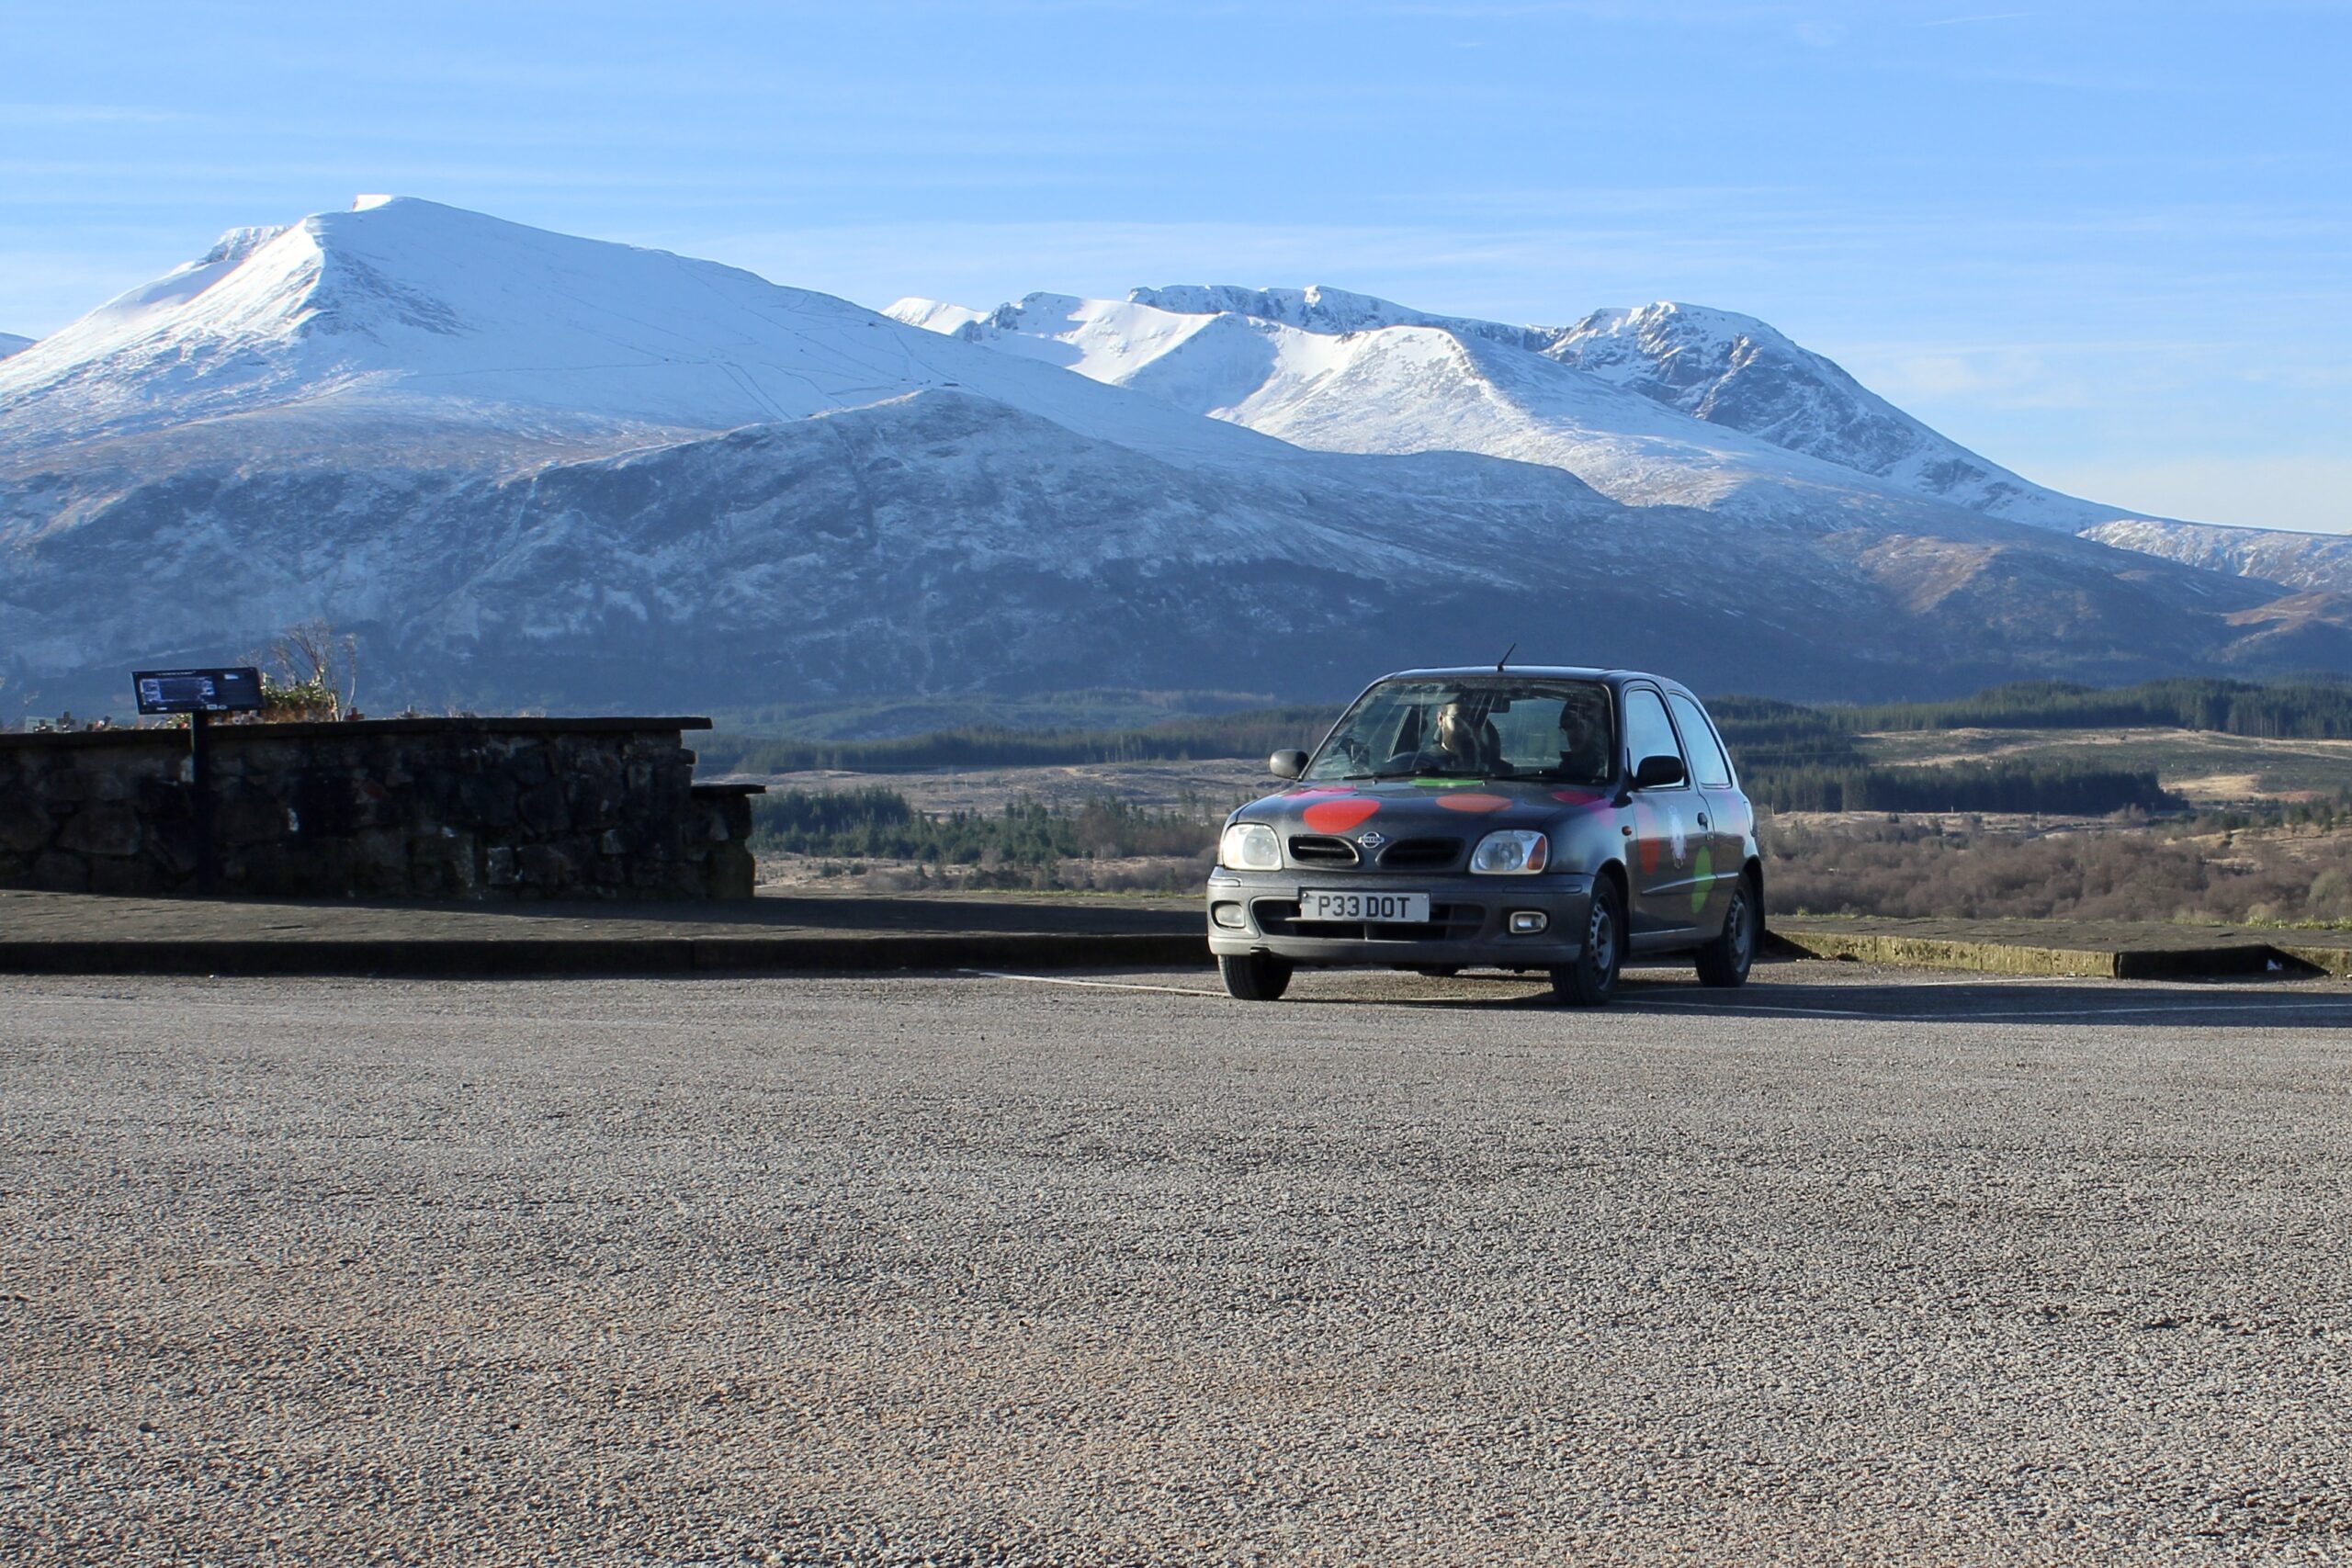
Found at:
[197, 691]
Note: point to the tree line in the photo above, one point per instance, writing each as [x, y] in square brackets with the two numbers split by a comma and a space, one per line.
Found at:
[877, 823]
[2011, 784]
[1254, 733]
[2315, 708]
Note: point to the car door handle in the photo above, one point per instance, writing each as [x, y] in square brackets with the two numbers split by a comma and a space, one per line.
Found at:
[1702, 819]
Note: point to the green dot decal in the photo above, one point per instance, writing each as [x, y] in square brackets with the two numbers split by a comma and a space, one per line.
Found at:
[1703, 880]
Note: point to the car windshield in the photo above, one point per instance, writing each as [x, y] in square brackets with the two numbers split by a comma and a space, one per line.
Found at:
[1488, 727]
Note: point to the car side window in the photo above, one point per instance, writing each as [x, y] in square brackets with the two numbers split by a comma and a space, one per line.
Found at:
[1709, 766]
[1647, 733]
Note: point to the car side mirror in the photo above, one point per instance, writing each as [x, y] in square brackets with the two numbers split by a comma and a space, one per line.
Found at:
[1286, 764]
[1659, 773]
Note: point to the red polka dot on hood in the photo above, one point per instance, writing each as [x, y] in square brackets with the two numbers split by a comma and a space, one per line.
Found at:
[1472, 802]
[1338, 816]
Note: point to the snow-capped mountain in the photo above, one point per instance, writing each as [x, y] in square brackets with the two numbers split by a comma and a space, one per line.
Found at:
[11, 344]
[1669, 402]
[403, 316]
[530, 467]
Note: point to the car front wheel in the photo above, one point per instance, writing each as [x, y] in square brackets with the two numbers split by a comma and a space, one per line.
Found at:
[1591, 980]
[1254, 976]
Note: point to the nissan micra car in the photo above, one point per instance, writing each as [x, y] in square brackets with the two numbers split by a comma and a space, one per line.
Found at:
[1537, 820]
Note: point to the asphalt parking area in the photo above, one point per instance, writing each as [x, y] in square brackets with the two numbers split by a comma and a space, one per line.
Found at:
[1849, 1265]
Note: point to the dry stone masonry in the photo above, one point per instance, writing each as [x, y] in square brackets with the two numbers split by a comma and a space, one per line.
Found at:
[454, 808]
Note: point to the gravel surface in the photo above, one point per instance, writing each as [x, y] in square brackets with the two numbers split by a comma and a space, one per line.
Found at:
[1867, 1269]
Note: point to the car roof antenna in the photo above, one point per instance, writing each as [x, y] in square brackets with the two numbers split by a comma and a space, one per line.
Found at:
[1505, 657]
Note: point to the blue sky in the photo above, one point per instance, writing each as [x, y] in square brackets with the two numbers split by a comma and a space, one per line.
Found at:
[2109, 245]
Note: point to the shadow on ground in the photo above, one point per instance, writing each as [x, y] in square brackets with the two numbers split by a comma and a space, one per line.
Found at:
[1909, 998]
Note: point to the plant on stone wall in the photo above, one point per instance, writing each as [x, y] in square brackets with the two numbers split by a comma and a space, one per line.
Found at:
[310, 671]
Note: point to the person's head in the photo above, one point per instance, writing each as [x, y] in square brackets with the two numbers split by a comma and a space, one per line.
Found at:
[1584, 728]
[1457, 732]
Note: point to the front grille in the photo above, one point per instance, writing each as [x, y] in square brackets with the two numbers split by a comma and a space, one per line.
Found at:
[1311, 850]
[1420, 854]
[1447, 922]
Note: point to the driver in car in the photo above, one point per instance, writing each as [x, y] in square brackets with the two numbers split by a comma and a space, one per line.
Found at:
[1462, 740]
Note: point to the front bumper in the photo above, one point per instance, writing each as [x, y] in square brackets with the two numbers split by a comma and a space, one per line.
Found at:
[1468, 927]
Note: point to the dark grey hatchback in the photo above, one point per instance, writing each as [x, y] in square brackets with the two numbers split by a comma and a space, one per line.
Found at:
[1547, 819]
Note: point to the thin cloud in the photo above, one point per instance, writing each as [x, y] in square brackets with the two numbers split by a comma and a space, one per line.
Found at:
[62, 116]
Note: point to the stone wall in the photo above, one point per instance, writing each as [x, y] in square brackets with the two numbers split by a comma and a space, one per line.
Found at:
[459, 809]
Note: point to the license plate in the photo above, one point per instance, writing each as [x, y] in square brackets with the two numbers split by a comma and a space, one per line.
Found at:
[1404, 909]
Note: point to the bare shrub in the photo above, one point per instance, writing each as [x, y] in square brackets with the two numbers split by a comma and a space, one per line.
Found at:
[2102, 871]
[308, 672]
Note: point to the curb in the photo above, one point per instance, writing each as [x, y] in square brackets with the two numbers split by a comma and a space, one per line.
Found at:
[2095, 964]
[590, 957]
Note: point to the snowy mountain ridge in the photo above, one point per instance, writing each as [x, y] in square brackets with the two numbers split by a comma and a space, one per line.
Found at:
[1412, 387]
[1721, 370]
[12, 343]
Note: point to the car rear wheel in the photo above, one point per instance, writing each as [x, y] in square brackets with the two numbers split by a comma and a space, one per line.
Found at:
[1591, 980]
[1254, 976]
[1726, 960]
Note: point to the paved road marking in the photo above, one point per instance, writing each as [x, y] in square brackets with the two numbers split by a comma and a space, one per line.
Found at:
[1094, 985]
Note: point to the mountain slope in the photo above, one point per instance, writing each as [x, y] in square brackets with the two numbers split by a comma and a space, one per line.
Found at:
[1734, 370]
[2274, 555]
[11, 344]
[533, 469]
[945, 542]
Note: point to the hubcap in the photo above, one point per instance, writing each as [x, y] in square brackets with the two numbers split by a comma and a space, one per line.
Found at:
[1602, 938]
[1743, 929]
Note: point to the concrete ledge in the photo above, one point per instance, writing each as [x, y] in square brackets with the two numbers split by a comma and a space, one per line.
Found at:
[2058, 948]
[2336, 960]
[587, 957]
[240, 733]
[1932, 952]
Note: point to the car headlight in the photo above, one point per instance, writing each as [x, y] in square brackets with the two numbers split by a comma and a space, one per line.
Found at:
[1250, 846]
[1514, 852]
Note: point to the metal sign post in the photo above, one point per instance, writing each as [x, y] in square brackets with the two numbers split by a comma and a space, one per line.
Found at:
[199, 693]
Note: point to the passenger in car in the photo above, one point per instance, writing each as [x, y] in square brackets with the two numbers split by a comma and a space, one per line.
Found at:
[1584, 742]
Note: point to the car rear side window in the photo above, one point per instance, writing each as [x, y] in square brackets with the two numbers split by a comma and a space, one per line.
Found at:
[1647, 733]
[1708, 763]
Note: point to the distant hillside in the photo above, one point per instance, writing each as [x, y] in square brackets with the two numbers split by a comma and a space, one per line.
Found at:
[1792, 757]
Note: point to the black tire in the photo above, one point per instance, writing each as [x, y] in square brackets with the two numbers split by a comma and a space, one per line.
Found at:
[1726, 960]
[1254, 976]
[1591, 980]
